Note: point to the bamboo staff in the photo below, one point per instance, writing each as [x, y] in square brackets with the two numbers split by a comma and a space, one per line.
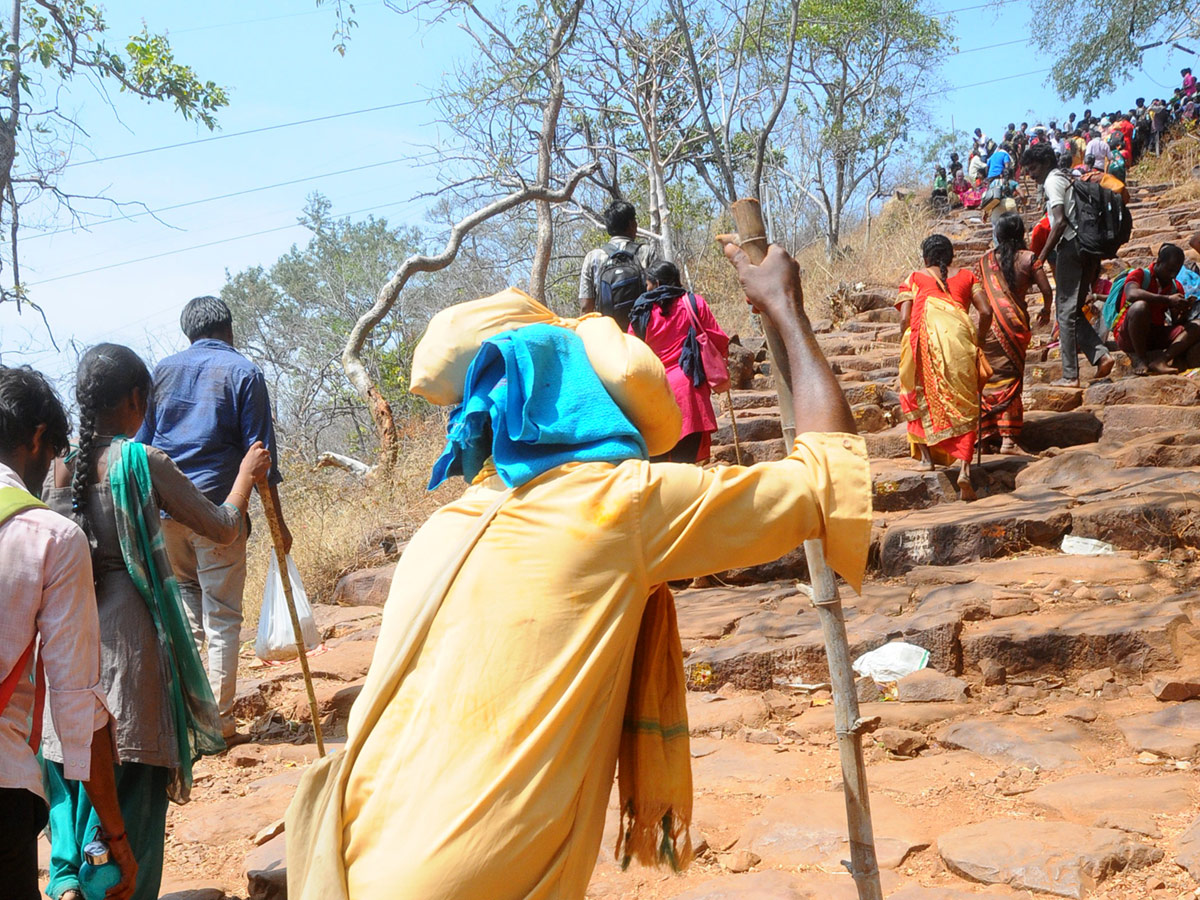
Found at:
[264, 494]
[737, 444]
[850, 726]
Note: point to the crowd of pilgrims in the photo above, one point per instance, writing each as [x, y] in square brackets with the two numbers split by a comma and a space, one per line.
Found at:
[962, 382]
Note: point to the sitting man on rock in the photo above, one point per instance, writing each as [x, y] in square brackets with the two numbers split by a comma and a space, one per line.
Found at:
[1153, 316]
[529, 641]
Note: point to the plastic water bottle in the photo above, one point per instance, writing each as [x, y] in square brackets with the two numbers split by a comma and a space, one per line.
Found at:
[98, 872]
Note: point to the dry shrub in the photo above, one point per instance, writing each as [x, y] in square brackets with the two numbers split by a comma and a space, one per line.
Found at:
[336, 518]
[896, 236]
[1177, 166]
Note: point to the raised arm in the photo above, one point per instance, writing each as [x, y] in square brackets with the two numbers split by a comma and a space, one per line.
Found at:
[774, 289]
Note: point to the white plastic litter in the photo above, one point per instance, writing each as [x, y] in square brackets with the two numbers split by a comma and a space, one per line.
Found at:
[276, 641]
[891, 662]
[1081, 546]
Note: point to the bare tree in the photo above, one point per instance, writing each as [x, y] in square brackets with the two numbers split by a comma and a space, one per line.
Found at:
[352, 361]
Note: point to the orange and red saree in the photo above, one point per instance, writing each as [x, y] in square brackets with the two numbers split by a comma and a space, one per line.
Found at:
[939, 373]
[1004, 346]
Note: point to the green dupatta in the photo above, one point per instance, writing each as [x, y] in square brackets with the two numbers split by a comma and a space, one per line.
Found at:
[190, 698]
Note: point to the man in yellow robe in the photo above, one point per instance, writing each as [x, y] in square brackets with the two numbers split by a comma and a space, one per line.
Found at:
[483, 772]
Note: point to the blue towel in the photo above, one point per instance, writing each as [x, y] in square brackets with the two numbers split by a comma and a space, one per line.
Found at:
[546, 407]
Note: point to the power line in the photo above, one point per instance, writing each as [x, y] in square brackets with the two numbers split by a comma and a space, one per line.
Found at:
[254, 190]
[949, 12]
[240, 237]
[989, 47]
[234, 134]
[959, 87]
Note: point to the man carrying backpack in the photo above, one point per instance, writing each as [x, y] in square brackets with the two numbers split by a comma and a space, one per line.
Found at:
[614, 275]
[1075, 268]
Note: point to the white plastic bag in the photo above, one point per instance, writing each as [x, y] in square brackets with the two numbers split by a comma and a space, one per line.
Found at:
[276, 641]
[1081, 546]
[891, 662]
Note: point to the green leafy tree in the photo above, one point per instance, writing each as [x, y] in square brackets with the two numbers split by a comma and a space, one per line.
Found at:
[865, 71]
[47, 48]
[1096, 45]
[293, 320]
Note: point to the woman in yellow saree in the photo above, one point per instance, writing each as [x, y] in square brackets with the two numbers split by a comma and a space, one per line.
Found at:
[941, 368]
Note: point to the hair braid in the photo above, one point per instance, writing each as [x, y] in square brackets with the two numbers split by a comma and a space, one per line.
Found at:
[936, 250]
[1009, 234]
[84, 462]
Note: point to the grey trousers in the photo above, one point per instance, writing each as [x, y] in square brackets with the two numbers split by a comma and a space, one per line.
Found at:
[211, 581]
[1074, 272]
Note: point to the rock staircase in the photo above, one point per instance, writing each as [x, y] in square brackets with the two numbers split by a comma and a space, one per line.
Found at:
[1066, 676]
[1047, 748]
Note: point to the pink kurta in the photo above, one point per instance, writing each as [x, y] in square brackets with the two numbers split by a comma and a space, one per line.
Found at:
[665, 336]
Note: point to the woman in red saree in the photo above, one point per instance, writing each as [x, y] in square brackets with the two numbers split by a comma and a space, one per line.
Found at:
[941, 368]
[1007, 273]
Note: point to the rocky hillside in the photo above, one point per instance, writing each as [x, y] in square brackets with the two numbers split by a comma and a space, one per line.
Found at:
[1045, 751]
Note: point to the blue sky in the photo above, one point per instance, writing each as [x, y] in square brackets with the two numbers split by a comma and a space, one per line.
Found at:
[277, 59]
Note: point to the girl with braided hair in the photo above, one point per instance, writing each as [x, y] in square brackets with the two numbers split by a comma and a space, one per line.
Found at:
[941, 366]
[1007, 274]
[151, 673]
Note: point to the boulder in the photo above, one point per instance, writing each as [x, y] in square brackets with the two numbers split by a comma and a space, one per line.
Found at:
[752, 452]
[890, 444]
[1042, 431]
[1173, 732]
[266, 870]
[1134, 637]
[750, 429]
[1187, 850]
[1159, 391]
[366, 587]
[1175, 449]
[741, 367]
[1051, 398]
[766, 885]
[901, 741]
[1175, 687]
[711, 613]
[1004, 607]
[929, 686]
[1059, 858]
[1086, 798]
[711, 712]
[1147, 520]
[994, 526]
[1048, 744]
[1122, 423]
[896, 488]
[810, 830]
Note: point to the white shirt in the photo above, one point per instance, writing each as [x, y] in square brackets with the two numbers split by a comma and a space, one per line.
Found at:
[1099, 148]
[47, 589]
[1058, 193]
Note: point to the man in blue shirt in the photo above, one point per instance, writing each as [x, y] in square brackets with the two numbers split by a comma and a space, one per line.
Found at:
[1000, 162]
[209, 404]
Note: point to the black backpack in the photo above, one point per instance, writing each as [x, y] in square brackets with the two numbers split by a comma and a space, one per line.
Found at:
[619, 282]
[1103, 224]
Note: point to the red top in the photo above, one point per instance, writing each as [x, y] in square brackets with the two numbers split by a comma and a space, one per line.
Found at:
[665, 336]
[1137, 278]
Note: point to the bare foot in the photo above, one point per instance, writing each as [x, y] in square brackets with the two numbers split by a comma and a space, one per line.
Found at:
[1139, 367]
[1065, 382]
[236, 739]
[965, 491]
[1105, 366]
[1009, 448]
[1160, 367]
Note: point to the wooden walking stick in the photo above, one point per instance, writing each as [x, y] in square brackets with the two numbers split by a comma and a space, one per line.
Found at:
[850, 726]
[737, 444]
[264, 494]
